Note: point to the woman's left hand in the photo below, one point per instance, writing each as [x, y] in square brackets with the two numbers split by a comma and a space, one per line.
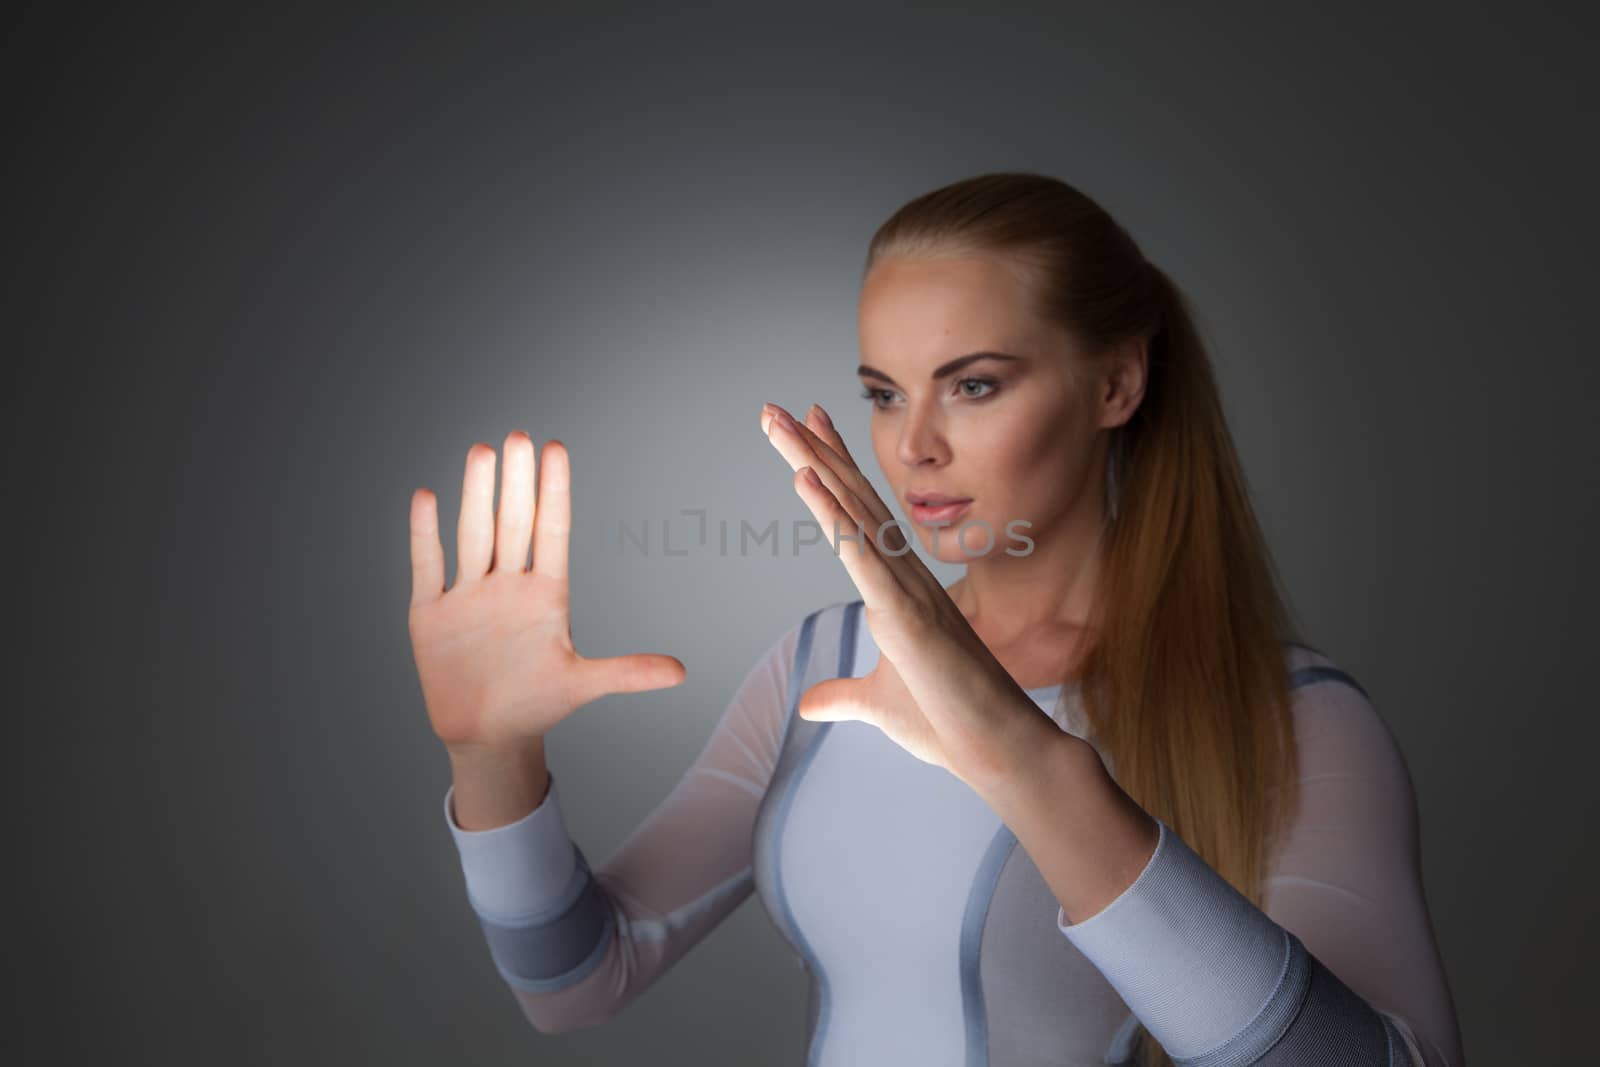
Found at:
[937, 691]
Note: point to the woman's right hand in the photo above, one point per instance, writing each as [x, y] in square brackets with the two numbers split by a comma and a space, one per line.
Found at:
[494, 653]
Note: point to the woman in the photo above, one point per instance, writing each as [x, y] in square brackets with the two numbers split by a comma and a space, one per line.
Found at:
[1092, 803]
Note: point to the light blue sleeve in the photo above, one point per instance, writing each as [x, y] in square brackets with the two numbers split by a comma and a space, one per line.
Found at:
[545, 918]
[520, 868]
[1220, 984]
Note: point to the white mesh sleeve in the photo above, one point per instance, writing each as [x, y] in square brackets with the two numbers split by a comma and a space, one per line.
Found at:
[1348, 878]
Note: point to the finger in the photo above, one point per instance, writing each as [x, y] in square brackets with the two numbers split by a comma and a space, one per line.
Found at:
[844, 479]
[819, 422]
[835, 700]
[475, 526]
[427, 554]
[787, 437]
[830, 445]
[871, 573]
[514, 521]
[553, 520]
[894, 537]
[626, 674]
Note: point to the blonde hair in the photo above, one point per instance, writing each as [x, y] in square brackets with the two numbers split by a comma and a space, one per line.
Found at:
[1185, 681]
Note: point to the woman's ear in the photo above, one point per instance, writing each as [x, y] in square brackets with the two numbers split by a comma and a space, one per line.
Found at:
[1122, 384]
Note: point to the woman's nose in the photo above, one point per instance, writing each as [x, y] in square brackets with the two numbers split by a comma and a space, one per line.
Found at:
[921, 440]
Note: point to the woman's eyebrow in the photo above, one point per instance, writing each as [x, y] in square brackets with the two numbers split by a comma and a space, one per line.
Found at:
[944, 369]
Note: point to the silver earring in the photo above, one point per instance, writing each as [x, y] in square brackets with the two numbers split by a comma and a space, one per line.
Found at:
[1113, 490]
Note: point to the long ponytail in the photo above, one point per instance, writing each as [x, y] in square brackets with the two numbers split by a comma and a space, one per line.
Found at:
[1185, 681]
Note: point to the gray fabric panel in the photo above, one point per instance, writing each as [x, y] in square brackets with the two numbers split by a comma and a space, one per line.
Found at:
[847, 639]
[1332, 1028]
[584, 968]
[977, 911]
[550, 951]
[1274, 1019]
[819, 977]
[813, 1006]
[1125, 1043]
[1309, 675]
[797, 736]
[1399, 1054]
[1130, 1055]
[825, 649]
[1045, 1004]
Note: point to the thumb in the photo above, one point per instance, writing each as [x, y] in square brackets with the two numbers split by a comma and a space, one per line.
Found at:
[628, 674]
[836, 700]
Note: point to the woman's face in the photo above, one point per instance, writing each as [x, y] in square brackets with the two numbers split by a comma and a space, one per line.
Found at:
[1014, 437]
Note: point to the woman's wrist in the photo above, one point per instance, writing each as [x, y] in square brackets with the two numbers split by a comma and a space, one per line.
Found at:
[495, 786]
[1037, 756]
[1086, 835]
[464, 754]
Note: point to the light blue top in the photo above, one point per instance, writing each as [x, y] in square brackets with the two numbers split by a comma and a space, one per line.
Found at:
[928, 934]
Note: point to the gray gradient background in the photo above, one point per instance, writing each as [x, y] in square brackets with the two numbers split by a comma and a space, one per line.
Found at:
[275, 275]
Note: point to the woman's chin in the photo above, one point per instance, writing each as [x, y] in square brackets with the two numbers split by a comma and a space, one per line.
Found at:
[948, 550]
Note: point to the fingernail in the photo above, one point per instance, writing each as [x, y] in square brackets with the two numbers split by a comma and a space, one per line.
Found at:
[783, 417]
[823, 415]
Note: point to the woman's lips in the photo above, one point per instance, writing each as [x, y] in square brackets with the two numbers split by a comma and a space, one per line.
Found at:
[939, 513]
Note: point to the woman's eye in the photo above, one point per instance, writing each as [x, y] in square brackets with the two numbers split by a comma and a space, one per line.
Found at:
[970, 388]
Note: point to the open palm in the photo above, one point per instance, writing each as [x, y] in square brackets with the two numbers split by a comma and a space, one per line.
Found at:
[494, 653]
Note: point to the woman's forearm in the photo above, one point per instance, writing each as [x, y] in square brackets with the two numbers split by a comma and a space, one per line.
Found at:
[1088, 838]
